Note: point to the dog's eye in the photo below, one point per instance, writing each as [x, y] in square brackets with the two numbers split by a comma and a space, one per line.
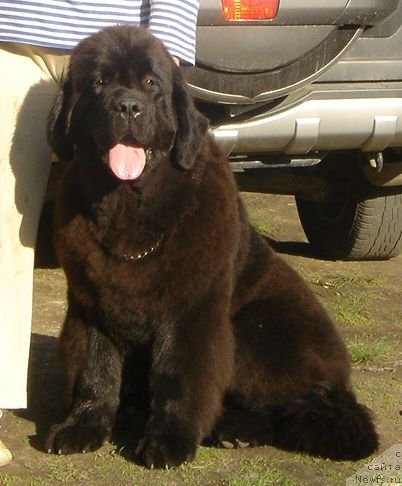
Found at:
[101, 82]
[150, 82]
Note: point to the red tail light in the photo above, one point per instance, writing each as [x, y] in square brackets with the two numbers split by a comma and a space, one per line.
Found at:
[249, 9]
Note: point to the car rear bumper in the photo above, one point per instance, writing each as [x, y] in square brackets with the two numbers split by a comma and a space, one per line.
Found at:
[368, 124]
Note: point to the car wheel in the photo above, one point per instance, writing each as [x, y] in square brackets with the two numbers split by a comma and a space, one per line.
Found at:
[359, 224]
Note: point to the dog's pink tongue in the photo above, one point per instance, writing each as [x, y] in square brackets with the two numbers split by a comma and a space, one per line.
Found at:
[126, 162]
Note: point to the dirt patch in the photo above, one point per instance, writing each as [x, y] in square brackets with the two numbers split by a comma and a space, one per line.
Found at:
[365, 300]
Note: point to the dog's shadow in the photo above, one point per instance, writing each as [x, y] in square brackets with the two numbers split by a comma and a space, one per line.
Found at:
[46, 406]
[295, 248]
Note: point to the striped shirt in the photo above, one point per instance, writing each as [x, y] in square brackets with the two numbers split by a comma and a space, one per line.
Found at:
[63, 23]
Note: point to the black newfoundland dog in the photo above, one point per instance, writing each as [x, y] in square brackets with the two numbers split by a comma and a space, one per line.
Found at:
[170, 290]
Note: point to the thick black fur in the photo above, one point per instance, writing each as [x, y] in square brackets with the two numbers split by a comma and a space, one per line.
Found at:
[215, 336]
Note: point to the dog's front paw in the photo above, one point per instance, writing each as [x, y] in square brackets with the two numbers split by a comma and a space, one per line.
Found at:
[86, 429]
[67, 438]
[165, 451]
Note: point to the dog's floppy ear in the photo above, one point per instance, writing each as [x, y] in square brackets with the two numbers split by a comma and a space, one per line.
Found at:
[58, 128]
[192, 126]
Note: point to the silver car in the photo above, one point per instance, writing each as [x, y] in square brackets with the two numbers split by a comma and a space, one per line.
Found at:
[306, 99]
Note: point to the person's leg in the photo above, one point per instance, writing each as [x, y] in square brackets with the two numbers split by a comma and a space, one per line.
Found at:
[27, 90]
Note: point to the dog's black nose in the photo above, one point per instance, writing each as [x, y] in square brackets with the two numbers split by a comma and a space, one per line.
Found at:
[129, 108]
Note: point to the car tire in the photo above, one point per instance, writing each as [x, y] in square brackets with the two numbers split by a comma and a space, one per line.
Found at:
[363, 224]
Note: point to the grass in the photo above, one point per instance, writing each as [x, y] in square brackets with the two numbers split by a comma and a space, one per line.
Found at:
[353, 309]
[61, 471]
[325, 471]
[367, 349]
[259, 471]
[263, 227]
[348, 296]
[257, 214]
[337, 281]
[351, 300]
[7, 480]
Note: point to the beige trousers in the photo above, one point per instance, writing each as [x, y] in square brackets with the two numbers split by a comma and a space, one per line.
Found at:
[29, 80]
